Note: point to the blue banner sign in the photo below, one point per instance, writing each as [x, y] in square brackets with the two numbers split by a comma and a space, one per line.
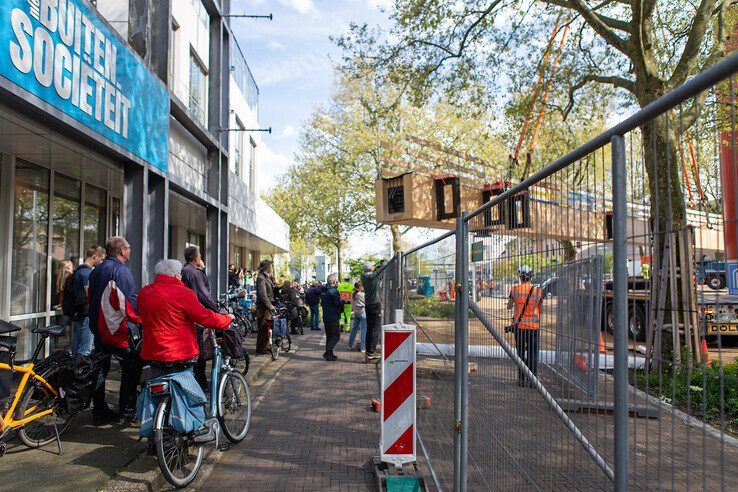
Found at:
[62, 53]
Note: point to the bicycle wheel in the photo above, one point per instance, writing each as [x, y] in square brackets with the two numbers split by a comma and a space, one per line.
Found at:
[286, 343]
[273, 348]
[35, 399]
[179, 460]
[234, 406]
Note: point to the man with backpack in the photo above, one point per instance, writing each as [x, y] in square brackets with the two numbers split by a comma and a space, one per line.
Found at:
[74, 301]
[113, 324]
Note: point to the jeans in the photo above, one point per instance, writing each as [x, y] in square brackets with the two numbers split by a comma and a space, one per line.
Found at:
[526, 344]
[314, 317]
[82, 338]
[359, 324]
[332, 336]
[373, 327]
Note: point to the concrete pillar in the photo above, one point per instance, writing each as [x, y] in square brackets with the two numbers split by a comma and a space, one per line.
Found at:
[212, 250]
[158, 223]
[136, 213]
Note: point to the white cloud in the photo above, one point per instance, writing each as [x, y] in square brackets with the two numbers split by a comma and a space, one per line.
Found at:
[302, 6]
[270, 166]
[301, 67]
[289, 131]
[379, 4]
[275, 46]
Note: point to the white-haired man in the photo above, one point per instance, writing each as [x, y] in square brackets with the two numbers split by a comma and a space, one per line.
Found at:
[170, 311]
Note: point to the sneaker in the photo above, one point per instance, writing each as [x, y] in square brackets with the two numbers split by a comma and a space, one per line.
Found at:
[362, 351]
[332, 357]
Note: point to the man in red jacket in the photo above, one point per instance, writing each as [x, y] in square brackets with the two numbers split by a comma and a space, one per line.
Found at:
[170, 311]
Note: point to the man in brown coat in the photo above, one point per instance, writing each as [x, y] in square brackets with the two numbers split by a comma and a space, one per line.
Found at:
[264, 305]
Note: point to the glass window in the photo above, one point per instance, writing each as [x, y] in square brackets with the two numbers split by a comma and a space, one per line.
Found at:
[115, 217]
[198, 89]
[65, 232]
[238, 152]
[252, 162]
[96, 211]
[30, 239]
[173, 56]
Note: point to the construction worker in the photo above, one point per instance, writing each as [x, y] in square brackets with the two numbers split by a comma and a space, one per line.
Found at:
[527, 300]
[646, 267]
[345, 290]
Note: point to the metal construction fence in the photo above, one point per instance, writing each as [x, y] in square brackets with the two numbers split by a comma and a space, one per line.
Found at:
[628, 379]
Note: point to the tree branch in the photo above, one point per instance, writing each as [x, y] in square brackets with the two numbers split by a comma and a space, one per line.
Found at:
[613, 80]
[688, 60]
[596, 22]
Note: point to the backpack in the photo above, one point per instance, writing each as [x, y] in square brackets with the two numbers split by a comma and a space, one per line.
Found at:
[69, 297]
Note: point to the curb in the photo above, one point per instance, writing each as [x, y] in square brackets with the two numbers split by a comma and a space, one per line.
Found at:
[142, 473]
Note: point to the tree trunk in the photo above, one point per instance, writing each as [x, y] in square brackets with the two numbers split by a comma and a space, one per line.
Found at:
[338, 261]
[570, 252]
[668, 213]
[396, 237]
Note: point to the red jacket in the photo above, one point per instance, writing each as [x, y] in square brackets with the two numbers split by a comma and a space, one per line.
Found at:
[170, 311]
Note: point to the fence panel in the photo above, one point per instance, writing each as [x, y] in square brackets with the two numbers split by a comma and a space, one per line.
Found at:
[623, 372]
[428, 294]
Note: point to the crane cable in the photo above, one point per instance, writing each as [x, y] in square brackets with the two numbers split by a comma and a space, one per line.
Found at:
[537, 88]
[545, 63]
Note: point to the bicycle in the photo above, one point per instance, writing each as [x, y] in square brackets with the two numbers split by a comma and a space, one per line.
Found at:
[179, 456]
[281, 339]
[36, 410]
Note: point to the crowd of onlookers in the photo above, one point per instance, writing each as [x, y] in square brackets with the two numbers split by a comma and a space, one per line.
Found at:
[103, 310]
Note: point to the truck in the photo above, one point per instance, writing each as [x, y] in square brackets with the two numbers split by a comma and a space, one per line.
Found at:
[711, 273]
[717, 313]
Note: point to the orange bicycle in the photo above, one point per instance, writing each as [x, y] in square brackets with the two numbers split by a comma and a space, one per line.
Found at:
[36, 410]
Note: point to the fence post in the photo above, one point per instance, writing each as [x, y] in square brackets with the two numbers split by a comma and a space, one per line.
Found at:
[400, 280]
[620, 306]
[461, 347]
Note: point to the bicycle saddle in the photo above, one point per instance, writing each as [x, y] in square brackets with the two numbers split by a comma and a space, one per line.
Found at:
[54, 330]
[6, 327]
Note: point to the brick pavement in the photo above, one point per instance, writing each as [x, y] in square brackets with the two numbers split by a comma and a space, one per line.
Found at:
[312, 430]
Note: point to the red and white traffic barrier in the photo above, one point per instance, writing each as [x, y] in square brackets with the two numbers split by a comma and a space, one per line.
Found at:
[397, 441]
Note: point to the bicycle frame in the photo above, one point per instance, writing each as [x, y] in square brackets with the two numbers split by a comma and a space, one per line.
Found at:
[215, 377]
[7, 421]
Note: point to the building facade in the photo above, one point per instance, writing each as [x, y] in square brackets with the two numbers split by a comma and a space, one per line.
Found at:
[120, 117]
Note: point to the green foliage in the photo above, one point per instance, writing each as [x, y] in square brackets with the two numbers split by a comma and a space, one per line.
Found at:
[700, 388]
[356, 266]
[430, 307]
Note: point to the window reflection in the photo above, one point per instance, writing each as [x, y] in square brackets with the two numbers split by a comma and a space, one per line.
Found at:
[95, 213]
[30, 239]
[65, 232]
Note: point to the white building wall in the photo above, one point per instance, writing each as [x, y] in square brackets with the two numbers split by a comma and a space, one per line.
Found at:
[190, 35]
[116, 13]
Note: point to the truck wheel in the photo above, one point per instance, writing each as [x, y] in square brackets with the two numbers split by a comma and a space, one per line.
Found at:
[715, 282]
[637, 324]
[609, 317]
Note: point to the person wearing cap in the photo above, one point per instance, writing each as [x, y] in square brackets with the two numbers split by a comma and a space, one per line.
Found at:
[345, 290]
[527, 299]
[264, 305]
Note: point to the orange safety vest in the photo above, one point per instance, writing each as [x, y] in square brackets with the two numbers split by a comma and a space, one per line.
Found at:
[531, 318]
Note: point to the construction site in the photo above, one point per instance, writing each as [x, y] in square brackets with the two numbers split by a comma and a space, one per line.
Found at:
[631, 242]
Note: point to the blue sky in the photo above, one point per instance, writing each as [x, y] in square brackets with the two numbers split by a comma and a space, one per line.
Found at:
[291, 59]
